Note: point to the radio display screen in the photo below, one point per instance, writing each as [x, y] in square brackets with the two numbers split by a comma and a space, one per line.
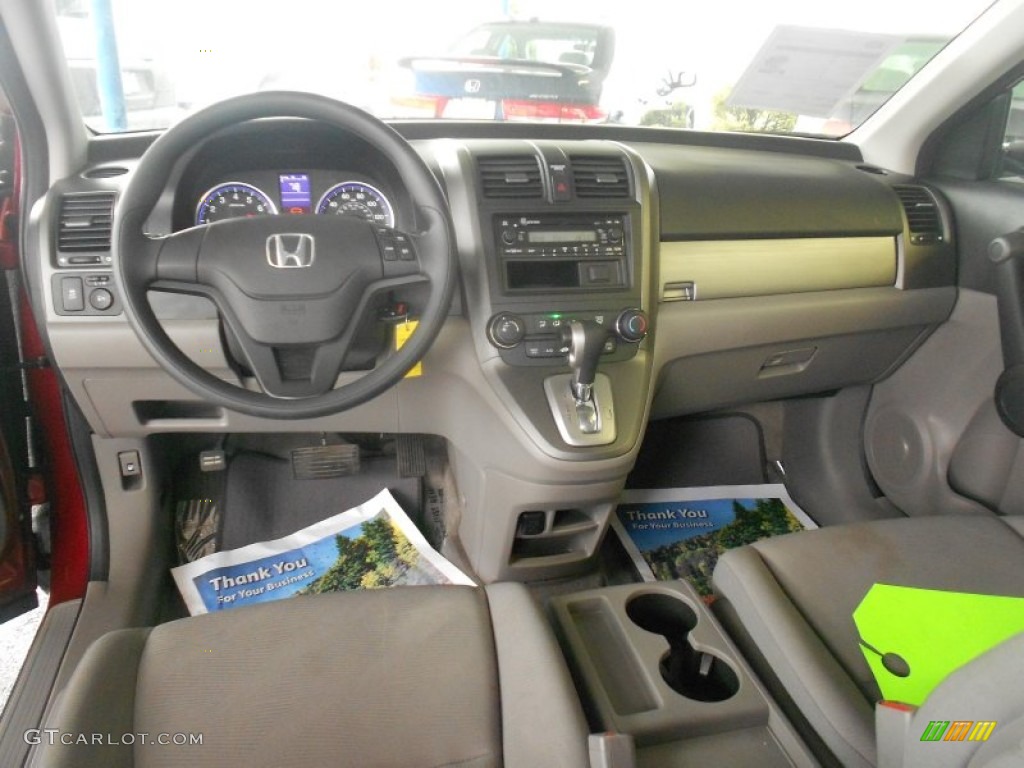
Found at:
[561, 236]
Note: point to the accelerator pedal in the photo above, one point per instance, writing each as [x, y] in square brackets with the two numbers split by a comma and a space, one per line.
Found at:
[410, 450]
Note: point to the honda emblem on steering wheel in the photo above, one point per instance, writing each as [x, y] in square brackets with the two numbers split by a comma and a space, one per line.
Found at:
[288, 251]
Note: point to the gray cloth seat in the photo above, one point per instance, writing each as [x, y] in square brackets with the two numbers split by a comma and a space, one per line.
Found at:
[789, 603]
[414, 676]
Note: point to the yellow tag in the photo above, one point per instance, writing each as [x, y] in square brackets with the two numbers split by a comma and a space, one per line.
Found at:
[402, 333]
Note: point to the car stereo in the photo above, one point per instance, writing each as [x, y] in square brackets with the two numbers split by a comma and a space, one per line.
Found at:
[538, 253]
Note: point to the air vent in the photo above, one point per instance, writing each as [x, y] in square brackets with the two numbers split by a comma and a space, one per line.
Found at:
[85, 221]
[515, 176]
[105, 172]
[600, 176]
[923, 217]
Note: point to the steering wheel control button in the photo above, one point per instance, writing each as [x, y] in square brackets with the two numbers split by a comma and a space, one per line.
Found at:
[101, 299]
[72, 298]
[506, 331]
[405, 251]
[631, 325]
[395, 245]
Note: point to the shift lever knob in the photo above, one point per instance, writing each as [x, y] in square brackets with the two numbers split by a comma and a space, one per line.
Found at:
[586, 342]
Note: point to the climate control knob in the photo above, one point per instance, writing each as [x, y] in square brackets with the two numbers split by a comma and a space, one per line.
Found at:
[506, 330]
[631, 325]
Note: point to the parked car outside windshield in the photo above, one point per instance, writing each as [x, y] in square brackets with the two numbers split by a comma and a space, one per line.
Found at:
[514, 70]
[713, 66]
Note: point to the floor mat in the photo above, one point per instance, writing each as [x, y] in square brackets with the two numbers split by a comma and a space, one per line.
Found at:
[679, 533]
[371, 546]
[264, 500]
[704, 451]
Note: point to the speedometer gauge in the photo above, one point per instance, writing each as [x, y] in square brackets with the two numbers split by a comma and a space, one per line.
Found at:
[233, 200]
[356, 198]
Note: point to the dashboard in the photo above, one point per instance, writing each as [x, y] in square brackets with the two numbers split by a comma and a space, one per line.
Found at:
[725, 271]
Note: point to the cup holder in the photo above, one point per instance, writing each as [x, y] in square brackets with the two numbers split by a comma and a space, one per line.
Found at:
[697, 675]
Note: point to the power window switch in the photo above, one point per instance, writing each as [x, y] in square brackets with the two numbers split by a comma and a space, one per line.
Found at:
[131, 466]
[72, 296]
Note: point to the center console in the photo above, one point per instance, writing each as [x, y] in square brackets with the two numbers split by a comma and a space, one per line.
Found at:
[556, 240]
[564, 246]
[652, 662]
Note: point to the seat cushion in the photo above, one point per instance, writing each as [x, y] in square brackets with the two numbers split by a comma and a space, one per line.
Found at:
[378, 678]
[793, 598]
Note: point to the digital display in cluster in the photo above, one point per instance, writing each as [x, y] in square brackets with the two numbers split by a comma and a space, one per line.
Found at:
[295, 195]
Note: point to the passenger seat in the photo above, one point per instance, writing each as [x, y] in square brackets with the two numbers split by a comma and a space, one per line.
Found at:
[788, 602]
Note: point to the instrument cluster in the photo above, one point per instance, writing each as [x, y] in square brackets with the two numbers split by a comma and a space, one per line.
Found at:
[295, 193]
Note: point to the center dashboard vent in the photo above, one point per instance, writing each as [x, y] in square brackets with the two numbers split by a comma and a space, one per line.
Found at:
[511, 176]
[924, 219]
[599, 176]
[84, 228]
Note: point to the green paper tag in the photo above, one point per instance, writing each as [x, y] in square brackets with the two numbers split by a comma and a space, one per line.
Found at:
[933, 632]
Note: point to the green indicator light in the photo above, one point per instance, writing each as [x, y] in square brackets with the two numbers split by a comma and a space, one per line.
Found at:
[556, 317]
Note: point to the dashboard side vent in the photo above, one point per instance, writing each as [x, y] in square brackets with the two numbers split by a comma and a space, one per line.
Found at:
[513, 176]
[923, 217]
[597, 176]
[85, 223]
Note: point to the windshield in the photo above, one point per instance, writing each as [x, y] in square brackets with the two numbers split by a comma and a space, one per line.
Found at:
[789, 66]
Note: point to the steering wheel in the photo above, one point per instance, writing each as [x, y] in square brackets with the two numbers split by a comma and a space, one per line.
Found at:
[290, 288]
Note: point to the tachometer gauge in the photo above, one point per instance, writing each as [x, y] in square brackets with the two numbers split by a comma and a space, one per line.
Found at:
[356, 198]
[233, 200]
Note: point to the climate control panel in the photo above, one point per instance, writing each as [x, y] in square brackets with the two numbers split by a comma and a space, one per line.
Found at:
[537, 338]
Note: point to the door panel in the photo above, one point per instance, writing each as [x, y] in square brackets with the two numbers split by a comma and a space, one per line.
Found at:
[931, 436]
[17, 566]
[17, 551]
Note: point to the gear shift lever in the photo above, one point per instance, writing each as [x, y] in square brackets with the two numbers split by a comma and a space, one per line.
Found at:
[586, 342]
